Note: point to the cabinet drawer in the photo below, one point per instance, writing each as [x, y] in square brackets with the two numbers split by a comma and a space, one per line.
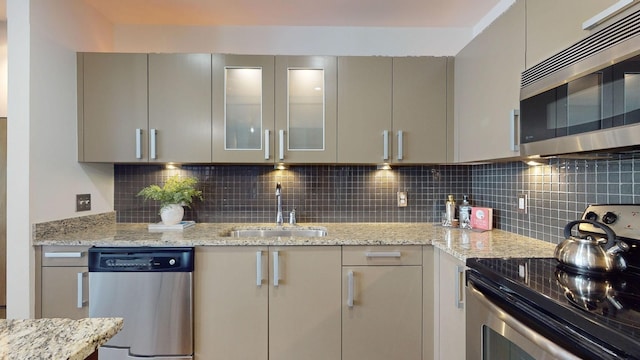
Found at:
[382, 255]
[65, 256]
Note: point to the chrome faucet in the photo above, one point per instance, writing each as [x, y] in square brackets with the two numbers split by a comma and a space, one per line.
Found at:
[279, 219]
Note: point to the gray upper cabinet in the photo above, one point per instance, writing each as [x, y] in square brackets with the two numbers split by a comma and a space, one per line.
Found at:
[487, 89]
[422, 110]
[393, 110]
[555, 25]
[243, 109]
[144, 108]
[305, 109]
[364, 109]
[112, 107]
[179, 107]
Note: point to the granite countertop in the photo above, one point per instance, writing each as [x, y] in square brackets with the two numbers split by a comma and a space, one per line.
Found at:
[55, 338]
[457, 242]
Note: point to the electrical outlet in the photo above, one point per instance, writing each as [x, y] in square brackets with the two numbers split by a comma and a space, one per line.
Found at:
[83, 202]
[523, 199]
[402, 199]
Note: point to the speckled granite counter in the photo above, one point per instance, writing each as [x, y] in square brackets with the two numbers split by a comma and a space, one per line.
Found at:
[460, 243]
[55, 338]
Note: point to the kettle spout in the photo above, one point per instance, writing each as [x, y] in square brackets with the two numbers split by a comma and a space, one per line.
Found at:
[619, 247]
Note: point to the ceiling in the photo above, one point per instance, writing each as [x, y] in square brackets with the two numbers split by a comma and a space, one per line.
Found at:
[360, 13]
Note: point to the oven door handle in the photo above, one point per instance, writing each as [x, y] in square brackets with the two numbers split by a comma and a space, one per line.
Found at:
[528, 333]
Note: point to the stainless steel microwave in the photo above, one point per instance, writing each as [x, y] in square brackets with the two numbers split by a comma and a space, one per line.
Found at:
[587, 97]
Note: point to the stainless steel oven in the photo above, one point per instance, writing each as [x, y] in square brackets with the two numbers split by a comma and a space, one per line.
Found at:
[528, 308]
[493, 333]
[540, 308]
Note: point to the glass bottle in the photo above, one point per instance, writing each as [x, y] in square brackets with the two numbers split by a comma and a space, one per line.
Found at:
[450, 211]
[465, 213]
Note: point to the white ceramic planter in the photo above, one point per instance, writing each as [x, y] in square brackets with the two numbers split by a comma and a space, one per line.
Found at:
[171, 214]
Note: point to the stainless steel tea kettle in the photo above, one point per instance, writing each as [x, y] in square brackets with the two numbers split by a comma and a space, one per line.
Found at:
[589, 253]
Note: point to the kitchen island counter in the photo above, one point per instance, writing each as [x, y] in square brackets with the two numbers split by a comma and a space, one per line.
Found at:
[55, 338]
[458, 242]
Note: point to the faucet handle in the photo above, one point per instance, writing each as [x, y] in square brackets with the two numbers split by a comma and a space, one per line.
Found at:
[278, 186]
[292, 217]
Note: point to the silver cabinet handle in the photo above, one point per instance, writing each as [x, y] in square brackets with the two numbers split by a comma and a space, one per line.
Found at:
[385, 145]
[400, 146]
[138, 143]
[276, 269]
[267, 150]
[152, 134]
[281, 150]
[81, 302]
[383, 254]
[350, 288]
[258, 268]
[515, 129]
[460, 286]
[61, 254]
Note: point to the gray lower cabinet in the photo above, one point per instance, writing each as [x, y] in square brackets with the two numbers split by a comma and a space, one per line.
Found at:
[449, 308]
[382, 302]
[64, 282]
[267, 302]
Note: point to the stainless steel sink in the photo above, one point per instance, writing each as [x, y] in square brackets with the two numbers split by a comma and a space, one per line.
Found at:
[281, 232]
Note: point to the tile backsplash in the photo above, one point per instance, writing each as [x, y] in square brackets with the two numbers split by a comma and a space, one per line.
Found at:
[318, 193]
[558, 192]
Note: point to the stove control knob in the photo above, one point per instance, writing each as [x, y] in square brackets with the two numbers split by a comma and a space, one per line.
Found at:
[609, 218]
[172, 262]
[591, 216]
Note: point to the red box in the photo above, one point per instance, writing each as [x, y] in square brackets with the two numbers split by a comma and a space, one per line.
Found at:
[481, 218]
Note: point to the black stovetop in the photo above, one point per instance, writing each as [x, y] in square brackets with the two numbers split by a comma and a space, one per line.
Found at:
[605, 308]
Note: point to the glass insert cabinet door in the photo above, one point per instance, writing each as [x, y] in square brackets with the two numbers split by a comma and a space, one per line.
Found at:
[243, 109]
[306, 109]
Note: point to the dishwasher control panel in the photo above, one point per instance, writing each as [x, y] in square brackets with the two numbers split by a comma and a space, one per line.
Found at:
[140, 259]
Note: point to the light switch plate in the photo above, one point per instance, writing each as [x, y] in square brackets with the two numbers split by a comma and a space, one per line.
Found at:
[523, 199]
[402, 199]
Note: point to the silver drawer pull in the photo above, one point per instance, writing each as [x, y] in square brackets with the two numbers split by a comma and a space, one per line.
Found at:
[383, 254]
[74, 254]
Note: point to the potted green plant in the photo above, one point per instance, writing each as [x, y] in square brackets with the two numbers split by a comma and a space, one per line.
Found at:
[173, 195]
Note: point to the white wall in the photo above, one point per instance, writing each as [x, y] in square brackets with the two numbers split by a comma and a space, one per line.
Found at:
[3, 68]
[288, 40]
[43, 175]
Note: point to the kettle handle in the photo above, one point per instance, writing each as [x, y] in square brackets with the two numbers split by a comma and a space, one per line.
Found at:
[611, 236]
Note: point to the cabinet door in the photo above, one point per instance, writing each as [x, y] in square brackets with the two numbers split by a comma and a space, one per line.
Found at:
[449, 308]
[230, 303]
[243, 109]
[382, 312]
[304, 303]
[364, 109]
[112, 102]
[306, 97]
[65, 292]
[555, 25]
[180, 107]
[487, 89]
[420, 110]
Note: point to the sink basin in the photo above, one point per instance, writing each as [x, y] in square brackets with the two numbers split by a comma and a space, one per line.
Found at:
[282, 232]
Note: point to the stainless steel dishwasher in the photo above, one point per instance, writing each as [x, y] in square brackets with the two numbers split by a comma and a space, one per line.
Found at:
[151, 288]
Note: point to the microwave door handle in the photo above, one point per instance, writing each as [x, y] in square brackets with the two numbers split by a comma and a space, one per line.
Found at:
[515, 129]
